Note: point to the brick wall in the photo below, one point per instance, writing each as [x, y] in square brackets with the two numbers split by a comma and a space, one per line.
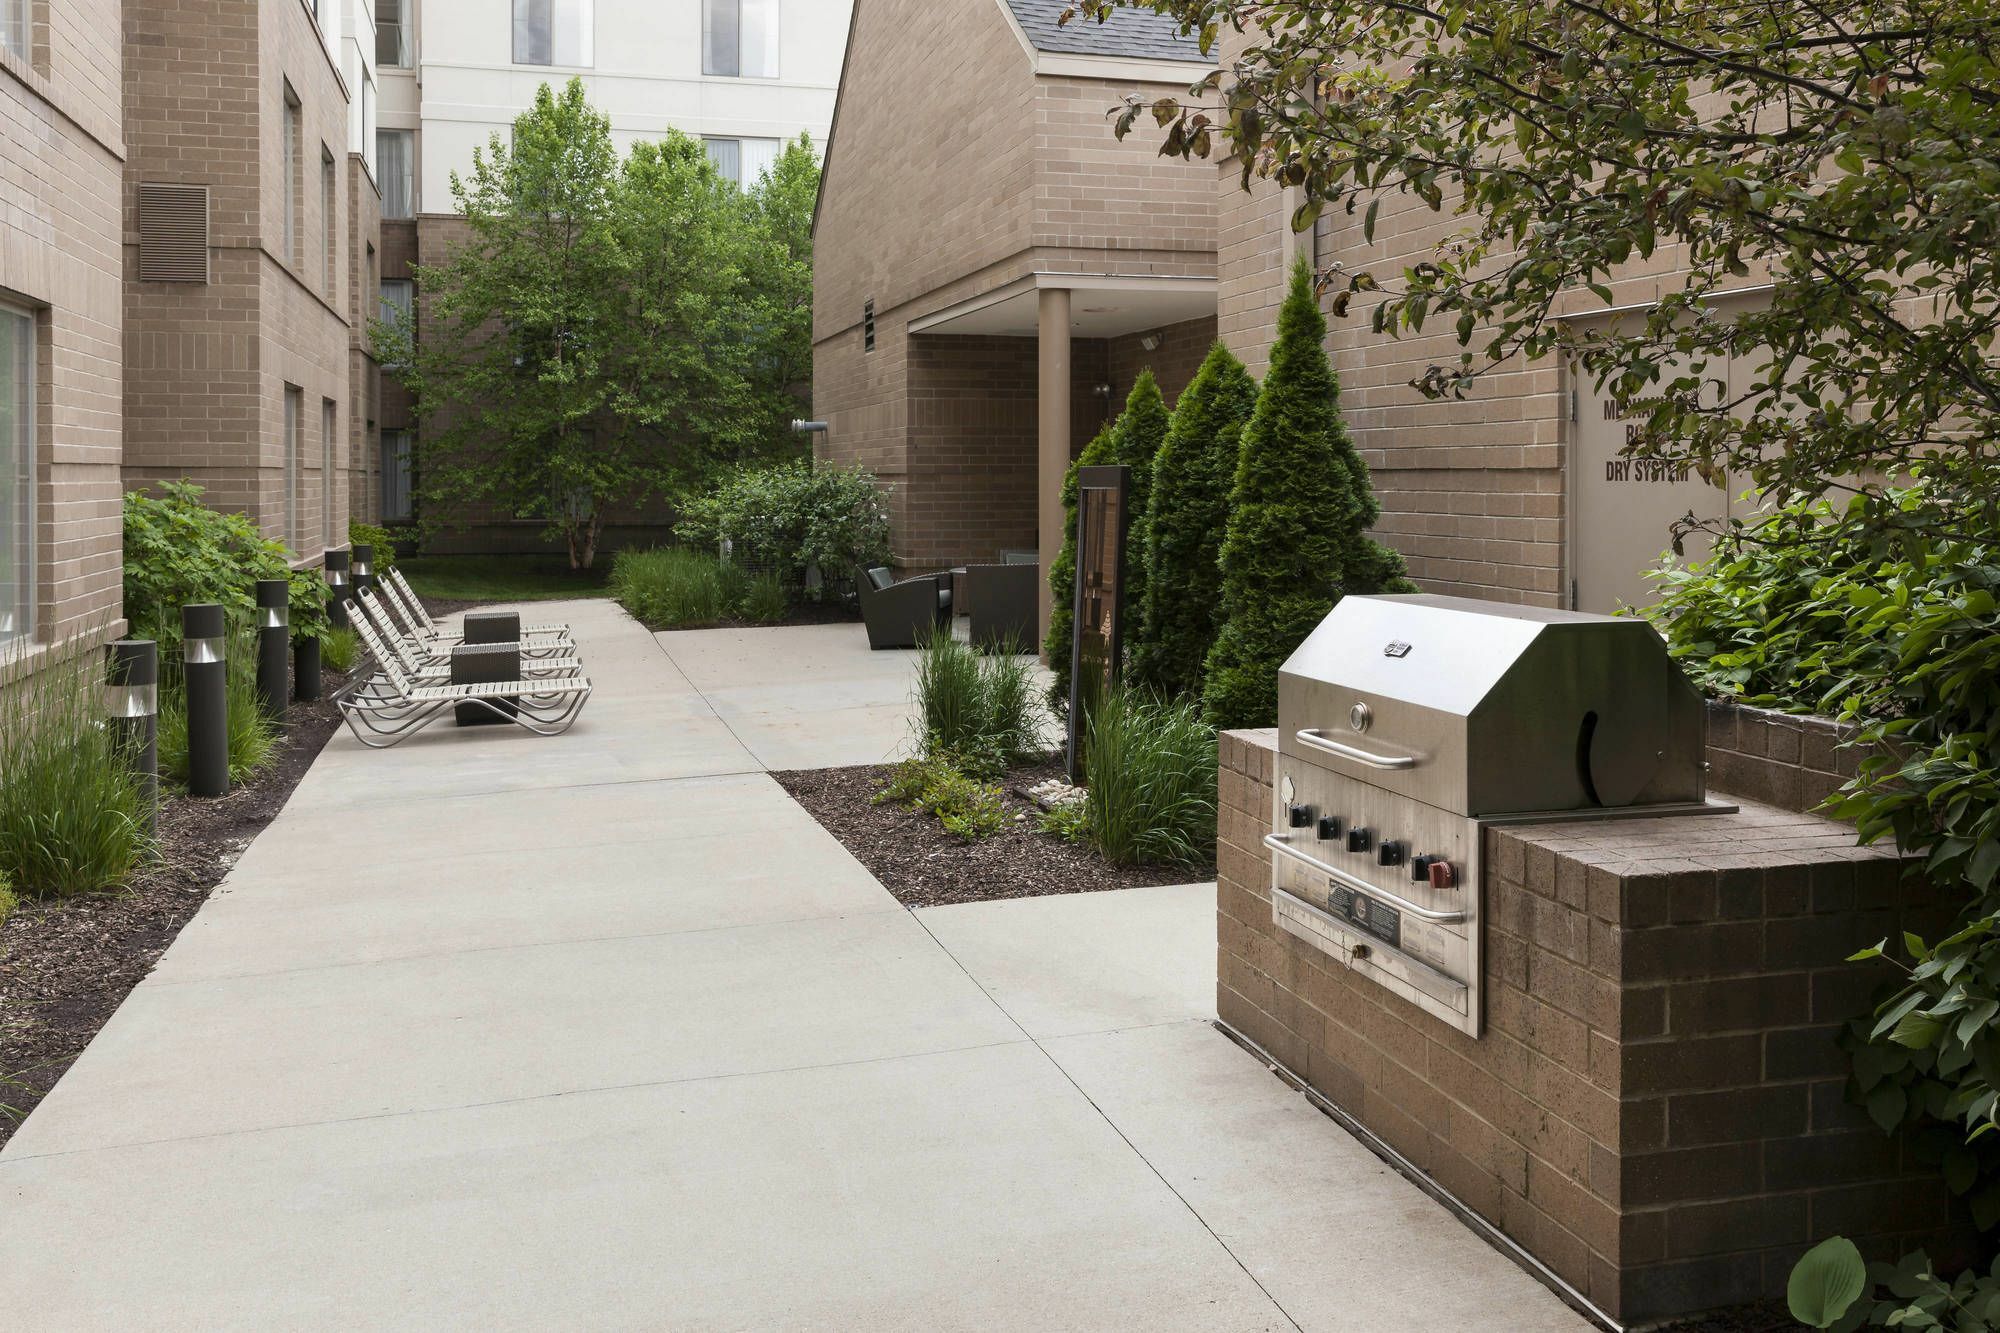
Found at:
[207, 364]
[364, 383]
[1780, 759]
[1655, 1109]
[62, 149]
[1173, 362]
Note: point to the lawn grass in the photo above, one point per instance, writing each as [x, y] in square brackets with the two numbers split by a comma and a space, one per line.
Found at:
[502, 578]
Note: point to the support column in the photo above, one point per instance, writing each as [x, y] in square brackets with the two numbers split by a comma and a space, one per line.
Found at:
[1052, 439]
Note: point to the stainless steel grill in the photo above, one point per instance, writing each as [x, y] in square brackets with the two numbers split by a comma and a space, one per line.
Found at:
[1407, 724]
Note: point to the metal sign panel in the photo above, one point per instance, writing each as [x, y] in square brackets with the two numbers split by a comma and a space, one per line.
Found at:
[1103, 517]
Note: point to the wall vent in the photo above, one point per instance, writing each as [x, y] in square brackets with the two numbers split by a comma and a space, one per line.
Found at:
[868, 325]
[173, 233]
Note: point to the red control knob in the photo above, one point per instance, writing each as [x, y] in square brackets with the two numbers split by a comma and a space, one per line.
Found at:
[1442, 873]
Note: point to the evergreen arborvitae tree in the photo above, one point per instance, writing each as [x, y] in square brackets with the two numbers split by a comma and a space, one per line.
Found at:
[1189, 509]
[1062, 571]
[1135, 442]
[1299, 515]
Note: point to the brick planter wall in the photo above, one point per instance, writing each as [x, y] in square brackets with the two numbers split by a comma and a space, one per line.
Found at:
[1779, 759]
[1655, 1109]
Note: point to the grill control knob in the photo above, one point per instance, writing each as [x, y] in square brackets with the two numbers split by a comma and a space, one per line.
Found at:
[1329, 827]
[1301, 816]
[1443, 874]
[1390, 853]
[1360, 839]
[1420, 869]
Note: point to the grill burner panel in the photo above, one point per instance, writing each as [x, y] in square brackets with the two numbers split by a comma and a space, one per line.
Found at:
[1408, 723]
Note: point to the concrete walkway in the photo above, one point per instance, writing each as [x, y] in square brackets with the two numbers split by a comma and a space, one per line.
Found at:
[604, 1031]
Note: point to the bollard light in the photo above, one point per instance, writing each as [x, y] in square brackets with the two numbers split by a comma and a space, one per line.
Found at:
[364, 566]
[274, 644]
[205, 666]
[132, 700]
[337, 580]
[305, 668]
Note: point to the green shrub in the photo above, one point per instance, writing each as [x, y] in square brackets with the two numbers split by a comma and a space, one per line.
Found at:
[72, 818]
[308, 599]
[8, 901]
[790, 518]
[1831, 1287]
[1864, 612]
[1182, 610]
[763, 601]
[1152, 789]
[1062, 570]
[1299, 513]
[981, 711]
[178, 551]
[967, 808]
[339, 650]
[253, 737]
[672, 588]
[367, 534]
[1142, 427]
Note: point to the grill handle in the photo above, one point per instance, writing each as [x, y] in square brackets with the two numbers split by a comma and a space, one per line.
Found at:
[1313, 738]
[1278, 843]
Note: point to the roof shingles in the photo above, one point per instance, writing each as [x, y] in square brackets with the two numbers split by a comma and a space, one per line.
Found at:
[1133, 33]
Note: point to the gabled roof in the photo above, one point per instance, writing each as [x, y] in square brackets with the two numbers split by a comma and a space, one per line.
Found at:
[1138, 34]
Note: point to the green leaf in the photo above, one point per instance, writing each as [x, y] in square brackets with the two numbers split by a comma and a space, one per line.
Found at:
[1886, 1105]
[1827, 1279]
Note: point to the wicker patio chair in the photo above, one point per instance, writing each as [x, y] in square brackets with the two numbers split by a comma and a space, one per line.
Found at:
[901, 615]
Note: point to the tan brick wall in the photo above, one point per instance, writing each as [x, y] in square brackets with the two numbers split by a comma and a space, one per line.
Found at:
[207, 364]
[1655, 1109]
[1173, 362]
[364, 378]
[941, 189]
[61, 153]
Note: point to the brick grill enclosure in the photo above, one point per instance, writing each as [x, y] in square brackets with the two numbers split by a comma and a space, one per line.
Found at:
[1656, 1108]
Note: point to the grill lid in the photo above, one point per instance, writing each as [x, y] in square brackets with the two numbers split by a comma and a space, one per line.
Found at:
[1485, 708]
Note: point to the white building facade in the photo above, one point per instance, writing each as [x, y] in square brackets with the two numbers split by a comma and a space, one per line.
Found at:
[745, 75]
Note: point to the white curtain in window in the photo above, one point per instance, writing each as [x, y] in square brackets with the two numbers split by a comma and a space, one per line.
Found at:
[757, 157]
[553, 32]
[14, 28]
[395, 474]
[395, 158]
[392, 34]
[760, 38]
[17, 474]
[727, 154]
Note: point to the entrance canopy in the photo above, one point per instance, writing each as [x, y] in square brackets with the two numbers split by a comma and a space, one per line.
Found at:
[1100, 306]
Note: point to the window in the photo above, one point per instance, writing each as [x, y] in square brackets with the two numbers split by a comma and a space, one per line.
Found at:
[739, 38]
[291, 168]
[395, 155]
[368, 121]
[552, 32]
[868, 325]
[17, 474]
[326, 429]
[392, 35]
[395, 475]
[14, 31]
[398, 304]
[742, 160]
[329, 204]
[294, 409]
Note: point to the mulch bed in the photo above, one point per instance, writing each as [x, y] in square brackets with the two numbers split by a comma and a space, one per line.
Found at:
[66, 965]
[924, 866]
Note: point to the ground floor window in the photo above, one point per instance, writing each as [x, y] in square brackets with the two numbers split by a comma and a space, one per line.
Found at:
[17, 474]
[326, 429]
[395, 475]
[294, 409]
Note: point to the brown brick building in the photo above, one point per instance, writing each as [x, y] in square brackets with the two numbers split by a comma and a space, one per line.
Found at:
[992, 266]
[242, 217]
[62, 152]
